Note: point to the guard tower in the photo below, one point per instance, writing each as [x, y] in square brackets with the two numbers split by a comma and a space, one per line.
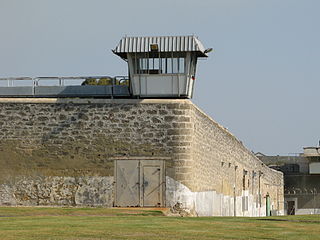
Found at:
[161, 66]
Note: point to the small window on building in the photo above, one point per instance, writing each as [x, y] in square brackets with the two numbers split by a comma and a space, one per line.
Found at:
[181, 65]
[159, 65]
[244, 182]
[169, 65]
[175, 65]
[154, 66]
[143, 66]
[164, 65]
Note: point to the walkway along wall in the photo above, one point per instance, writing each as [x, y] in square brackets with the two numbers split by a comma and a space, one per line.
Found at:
[63, 152]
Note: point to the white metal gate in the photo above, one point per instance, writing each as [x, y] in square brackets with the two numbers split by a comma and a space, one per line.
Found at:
[139, 183]
[127, 183]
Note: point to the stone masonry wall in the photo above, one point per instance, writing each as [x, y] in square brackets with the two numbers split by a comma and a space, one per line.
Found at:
[61, 151]
[222, 164]
[78, 138]
[218, 175]
[58, 191]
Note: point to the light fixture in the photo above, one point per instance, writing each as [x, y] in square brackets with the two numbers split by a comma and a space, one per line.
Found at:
[154, 47]
[208, 50]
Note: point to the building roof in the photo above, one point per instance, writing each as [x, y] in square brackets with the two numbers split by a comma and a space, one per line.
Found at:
[259, 154]
[311, 151]
[165, 44]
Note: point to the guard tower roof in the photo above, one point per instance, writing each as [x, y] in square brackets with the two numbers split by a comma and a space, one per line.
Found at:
[164, 44]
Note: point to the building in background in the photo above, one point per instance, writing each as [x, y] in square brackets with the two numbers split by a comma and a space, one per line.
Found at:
[301, 179]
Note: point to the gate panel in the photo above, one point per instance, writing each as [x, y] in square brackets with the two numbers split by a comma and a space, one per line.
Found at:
[127, 183]
[291, 208]
[268, 209]
[151, 186]
[152, 183]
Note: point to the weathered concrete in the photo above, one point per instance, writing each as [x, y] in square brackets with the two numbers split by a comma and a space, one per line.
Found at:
[69, 141]
[58, 191]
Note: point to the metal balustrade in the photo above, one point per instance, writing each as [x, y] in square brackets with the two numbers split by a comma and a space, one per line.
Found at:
[64, 87]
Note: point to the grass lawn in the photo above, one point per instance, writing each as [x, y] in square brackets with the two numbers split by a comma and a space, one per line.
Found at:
[103, 223]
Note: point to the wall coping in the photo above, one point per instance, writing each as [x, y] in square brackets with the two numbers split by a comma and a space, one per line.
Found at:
[92, 100]
[139, 158]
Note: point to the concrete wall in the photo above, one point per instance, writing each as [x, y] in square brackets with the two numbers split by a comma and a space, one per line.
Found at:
[304, 190]
[62, 151]
[283, 160]
[299, 186]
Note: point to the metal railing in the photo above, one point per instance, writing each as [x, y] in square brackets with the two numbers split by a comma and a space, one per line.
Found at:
[9, 81]
[64, 86]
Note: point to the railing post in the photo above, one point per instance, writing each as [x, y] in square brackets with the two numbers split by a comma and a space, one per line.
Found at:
[34, 85]
[112, 86]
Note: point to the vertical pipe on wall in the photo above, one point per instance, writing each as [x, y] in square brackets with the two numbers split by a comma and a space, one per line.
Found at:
[314, 201]
[252, 192]
[234, 192]
[259, 185]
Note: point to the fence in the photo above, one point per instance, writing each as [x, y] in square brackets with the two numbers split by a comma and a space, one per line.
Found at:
[65, 86]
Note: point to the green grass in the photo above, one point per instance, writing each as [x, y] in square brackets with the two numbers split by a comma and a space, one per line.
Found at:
[102, 223]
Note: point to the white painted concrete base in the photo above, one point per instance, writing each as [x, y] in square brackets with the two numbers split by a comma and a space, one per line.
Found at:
[211, 203]
[307, 211]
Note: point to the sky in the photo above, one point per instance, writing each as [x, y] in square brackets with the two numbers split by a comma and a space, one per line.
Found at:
[261, 81]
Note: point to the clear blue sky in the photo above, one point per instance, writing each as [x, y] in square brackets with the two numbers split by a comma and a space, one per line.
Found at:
[261, 82]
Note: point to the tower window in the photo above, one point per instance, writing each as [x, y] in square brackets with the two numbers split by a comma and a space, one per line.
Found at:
[156, 65]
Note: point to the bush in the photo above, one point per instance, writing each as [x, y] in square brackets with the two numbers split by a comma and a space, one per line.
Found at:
[90, 81]
[101, 81]
[105, 81]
